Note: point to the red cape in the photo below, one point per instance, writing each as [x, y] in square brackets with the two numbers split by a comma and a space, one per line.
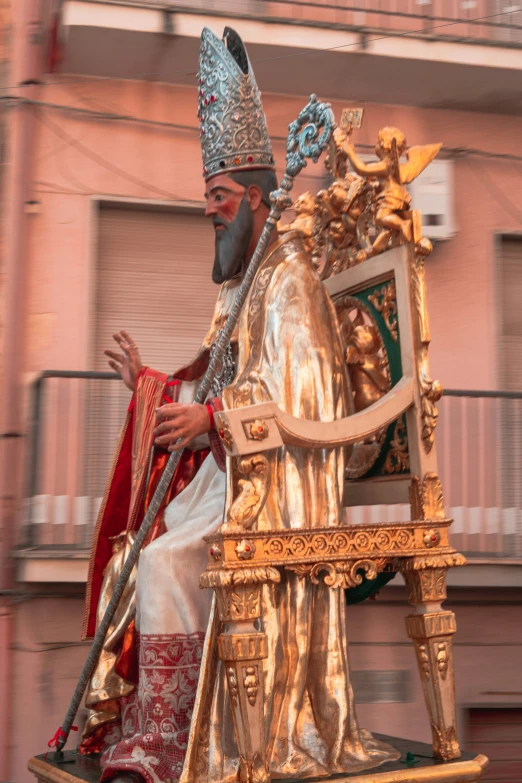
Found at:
[128, 492]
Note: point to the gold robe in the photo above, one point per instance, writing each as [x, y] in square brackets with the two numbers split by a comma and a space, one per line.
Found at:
[289, 351]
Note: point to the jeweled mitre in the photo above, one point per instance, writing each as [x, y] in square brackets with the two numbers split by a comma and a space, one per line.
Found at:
[232, 123]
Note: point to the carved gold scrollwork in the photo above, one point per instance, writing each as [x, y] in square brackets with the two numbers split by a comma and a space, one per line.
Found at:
[431, 391]
[247, 506]
[419, 297]
[397, 459]
[344, 541]
[340, 574]
[385, 302]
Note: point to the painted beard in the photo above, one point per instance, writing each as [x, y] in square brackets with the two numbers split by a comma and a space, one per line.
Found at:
[232, 243]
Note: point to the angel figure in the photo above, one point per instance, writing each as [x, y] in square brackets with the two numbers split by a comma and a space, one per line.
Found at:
[369, 371]
[370, 379]
[393, 200]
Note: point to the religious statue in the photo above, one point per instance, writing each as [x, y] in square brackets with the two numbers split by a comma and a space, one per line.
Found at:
[311, 391]
[148, 716]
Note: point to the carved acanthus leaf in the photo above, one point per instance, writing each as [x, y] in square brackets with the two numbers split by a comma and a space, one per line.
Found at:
[247, 506]
[426, 498]
[429, 561]
[397, 459]
[239, 576]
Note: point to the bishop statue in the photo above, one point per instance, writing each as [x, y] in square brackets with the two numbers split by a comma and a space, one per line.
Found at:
[147, 715]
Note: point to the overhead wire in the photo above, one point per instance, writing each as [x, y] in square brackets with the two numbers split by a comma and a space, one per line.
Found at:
[311, 53]
[87, 152]
[70, 140]
[497, 193]
[454, 152]
[458, 152]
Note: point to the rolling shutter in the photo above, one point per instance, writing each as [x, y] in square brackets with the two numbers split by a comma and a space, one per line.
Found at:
[153, 279]
[510, 374]
[510, 337]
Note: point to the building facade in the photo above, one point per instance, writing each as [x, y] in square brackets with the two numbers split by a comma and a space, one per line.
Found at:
[103, 229]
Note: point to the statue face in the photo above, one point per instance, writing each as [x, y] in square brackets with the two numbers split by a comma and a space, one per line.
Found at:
[303, 204]
[233, 220]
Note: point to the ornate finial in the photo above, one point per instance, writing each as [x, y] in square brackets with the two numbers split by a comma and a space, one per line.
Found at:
[351, 119]
[308, 135]
[233, 128]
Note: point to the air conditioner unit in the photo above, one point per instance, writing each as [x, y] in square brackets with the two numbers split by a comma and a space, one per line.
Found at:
[432, 193]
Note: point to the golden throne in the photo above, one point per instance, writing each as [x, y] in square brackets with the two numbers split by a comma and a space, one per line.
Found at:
[376, 281]
[375, 276]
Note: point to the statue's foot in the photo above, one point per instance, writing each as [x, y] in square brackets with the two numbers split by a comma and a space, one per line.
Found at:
[127, 777]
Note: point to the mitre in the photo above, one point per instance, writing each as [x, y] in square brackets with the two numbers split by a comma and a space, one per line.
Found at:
[234, 136]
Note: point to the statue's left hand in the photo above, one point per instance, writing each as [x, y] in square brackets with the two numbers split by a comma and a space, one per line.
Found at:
[180, 421]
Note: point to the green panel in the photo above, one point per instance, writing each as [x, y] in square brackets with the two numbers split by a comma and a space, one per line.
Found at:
[369, 587]
[393, 351]
[356, 595]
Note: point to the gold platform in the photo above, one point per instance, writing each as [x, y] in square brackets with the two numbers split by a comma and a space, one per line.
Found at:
[467, 769]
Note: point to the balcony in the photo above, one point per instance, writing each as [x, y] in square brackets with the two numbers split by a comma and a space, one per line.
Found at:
[469, 52]
[75, 427]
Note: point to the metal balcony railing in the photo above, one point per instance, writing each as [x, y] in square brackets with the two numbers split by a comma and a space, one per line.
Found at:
[77, 418]
[493, 22]
[76, 422]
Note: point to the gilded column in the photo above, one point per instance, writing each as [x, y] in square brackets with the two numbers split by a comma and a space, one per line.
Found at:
[431, 629]
[242, 648]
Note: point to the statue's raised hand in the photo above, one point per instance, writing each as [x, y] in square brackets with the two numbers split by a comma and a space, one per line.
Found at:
[128, 364]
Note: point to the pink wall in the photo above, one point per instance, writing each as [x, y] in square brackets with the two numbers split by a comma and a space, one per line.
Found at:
[78, 158]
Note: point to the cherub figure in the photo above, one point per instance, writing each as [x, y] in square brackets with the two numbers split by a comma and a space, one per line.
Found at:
[370, 380]
[304, 207]
[369, 372]
[393, 200]
[339, 208]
